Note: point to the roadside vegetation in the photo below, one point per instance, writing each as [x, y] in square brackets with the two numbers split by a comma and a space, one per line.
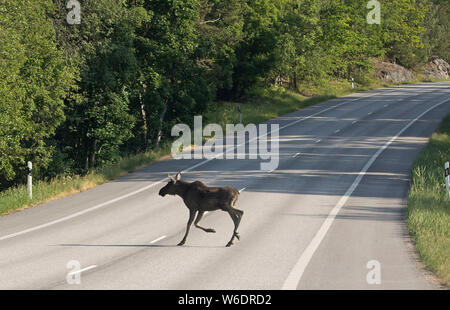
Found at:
[16, 198]
[428, 216]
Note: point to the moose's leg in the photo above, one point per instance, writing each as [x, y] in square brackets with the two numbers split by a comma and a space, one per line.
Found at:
[199, 217]
[236, 216]
[189, 223]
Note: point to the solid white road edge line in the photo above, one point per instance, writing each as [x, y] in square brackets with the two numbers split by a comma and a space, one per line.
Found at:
[66, 218]
[294, 277]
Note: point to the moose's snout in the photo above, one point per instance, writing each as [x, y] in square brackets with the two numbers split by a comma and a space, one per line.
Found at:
[161, 192]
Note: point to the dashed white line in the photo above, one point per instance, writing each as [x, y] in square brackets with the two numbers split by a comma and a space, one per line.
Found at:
[81, 270]
[158, 239]
[369, 113]
[317, 141]
[295, 155]
[336, 131]
[354, 122]
[296, 273]
[242, 189]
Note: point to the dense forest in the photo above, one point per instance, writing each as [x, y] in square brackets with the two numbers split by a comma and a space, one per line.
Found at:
[79, 95]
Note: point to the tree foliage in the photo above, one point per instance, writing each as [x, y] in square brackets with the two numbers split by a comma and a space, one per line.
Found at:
[34, 79]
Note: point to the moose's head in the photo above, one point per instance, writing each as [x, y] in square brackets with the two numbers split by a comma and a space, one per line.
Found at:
[171, 186]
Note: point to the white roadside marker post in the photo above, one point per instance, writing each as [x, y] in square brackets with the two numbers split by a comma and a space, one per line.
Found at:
[353, 83]
[30, 180]
[447, 177]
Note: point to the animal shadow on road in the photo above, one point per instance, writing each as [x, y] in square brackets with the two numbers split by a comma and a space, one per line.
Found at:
[137, 245]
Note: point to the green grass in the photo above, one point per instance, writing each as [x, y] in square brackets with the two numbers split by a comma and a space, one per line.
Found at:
[16, 198]
[429, 205]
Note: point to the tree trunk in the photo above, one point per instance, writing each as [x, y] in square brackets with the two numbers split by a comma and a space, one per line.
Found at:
[94, 150]
[144, 119]
[86, 162]
[161, 120]
[295, 81]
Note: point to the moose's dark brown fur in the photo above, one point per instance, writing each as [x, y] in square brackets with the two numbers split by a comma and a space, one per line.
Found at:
[200, 198]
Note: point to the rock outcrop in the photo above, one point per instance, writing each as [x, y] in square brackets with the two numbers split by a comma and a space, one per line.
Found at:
[391, 73]
[437, 69]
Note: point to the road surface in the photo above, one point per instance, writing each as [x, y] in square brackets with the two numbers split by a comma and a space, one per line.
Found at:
[331, 216]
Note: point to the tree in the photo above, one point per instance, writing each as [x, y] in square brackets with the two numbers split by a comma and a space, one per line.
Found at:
[166, 48]
[99, 120]
[34, 80]
[255, 53]
[219, 26]
[402, 23]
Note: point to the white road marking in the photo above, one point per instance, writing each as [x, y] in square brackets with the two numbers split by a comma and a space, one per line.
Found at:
[295, 155]
[369, 113]
[317, 141]
[386, 105]
[354, 122]
[158, 239]
[336, 131]
[106, 203]
[242, 189]
[65, 218]
[81, 270]
[296, 273]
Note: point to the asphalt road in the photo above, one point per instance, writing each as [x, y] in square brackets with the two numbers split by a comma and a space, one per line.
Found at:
[331, 216]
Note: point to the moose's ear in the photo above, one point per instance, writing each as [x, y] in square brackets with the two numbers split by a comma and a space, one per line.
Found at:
[178, 177]
[171, 178]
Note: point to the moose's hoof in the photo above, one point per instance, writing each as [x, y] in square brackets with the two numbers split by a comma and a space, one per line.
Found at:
[229, 244]
[181, 243]
[237, 236]
[210, 230]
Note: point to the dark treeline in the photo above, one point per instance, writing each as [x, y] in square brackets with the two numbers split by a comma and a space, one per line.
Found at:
[78, 96]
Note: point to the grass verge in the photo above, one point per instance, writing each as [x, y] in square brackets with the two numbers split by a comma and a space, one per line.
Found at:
[16, 198]
[428, 217]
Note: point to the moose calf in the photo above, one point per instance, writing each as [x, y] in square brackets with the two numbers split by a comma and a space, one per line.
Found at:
[200, 198]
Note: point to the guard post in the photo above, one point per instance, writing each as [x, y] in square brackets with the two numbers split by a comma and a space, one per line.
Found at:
[30, 180]
[447, 177]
